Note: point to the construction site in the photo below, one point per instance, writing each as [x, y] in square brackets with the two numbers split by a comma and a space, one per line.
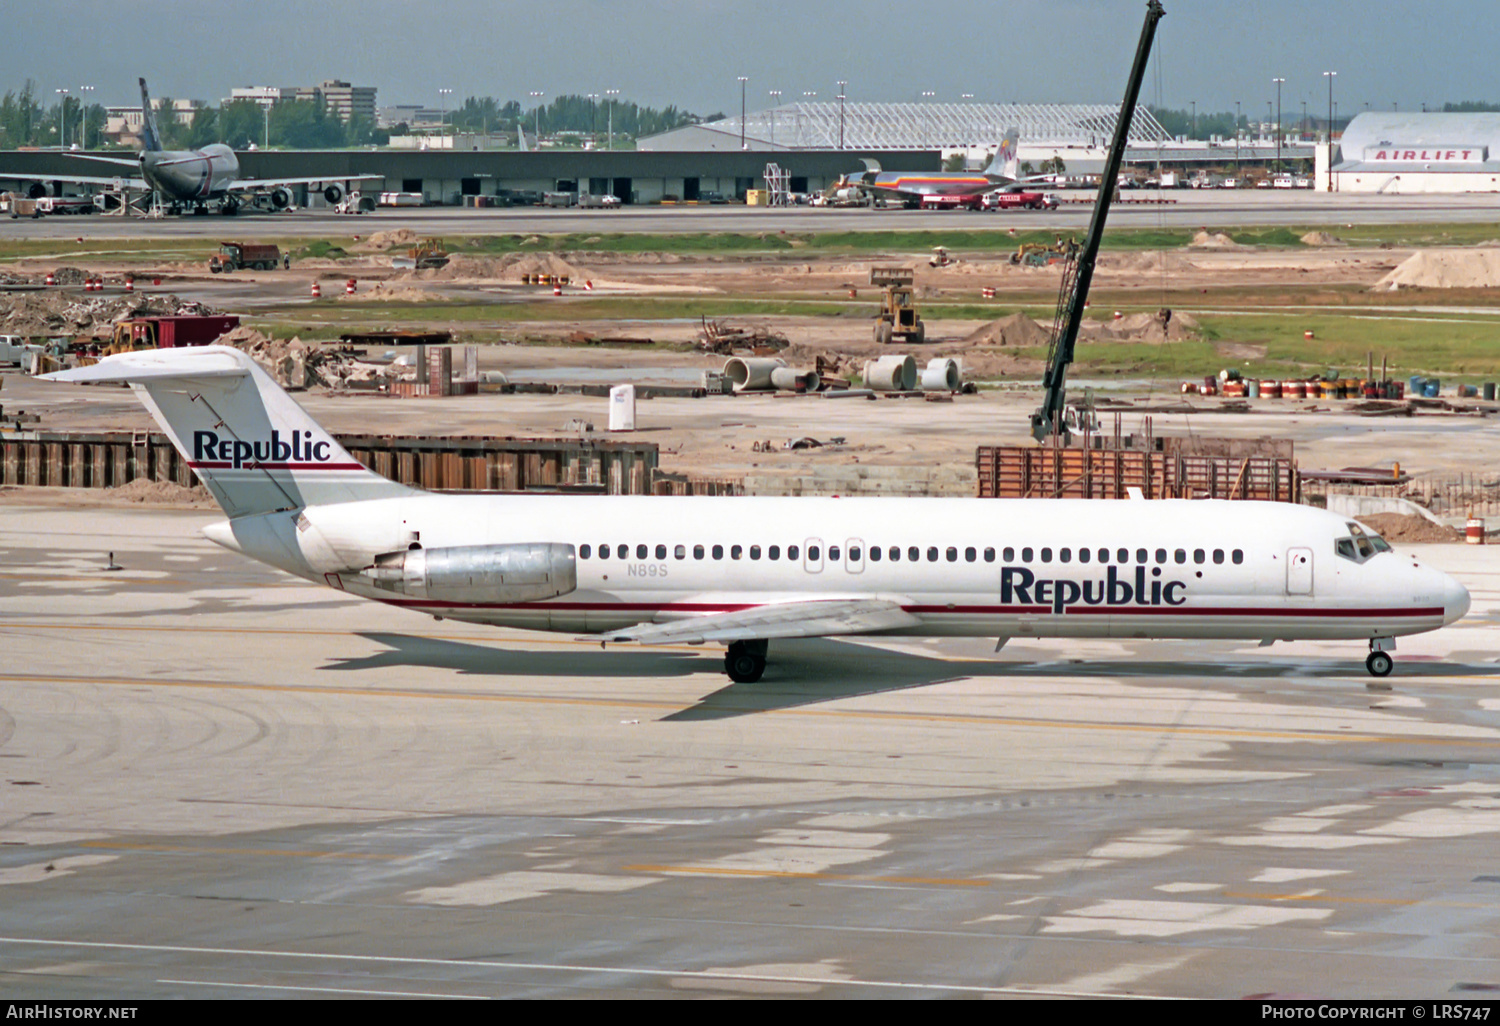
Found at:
[1308, 349]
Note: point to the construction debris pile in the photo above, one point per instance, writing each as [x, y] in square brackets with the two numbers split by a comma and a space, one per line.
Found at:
[725, 338]
[50, 313]
[298, 364]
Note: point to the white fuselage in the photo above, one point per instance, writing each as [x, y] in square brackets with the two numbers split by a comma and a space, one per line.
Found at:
[191, 176]
[962, 567]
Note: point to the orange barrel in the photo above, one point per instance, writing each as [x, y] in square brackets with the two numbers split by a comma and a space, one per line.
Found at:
[1474, 531]
[1295, 389]
[1270, 390]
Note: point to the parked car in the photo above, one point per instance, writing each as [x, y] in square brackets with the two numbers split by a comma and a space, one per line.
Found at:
[712, 197]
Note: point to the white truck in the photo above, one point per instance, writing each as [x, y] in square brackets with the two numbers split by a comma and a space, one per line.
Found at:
[15, 351]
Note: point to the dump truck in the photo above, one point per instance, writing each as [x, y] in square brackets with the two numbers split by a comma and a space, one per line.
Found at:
[169, 332]
[898, 311]
[252, 255]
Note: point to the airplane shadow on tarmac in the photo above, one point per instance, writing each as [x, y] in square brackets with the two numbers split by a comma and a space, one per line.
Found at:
[811, 671]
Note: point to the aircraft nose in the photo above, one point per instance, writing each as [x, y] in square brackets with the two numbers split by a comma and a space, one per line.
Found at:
[1455, 600]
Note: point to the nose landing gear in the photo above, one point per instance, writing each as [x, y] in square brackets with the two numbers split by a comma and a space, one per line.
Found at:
[1379, 662]
[745, 661]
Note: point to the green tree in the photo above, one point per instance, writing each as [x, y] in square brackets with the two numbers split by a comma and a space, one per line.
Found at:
[241, 123]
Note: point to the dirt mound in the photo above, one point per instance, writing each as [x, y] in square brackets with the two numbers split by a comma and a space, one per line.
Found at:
[1141, 327]
[507, 268]
[390, 240]
[1212, 240]
[1147, 262]
[1015, 330]
[1399, 527]
[1446, 269]
[160, 492]
[1322, 239]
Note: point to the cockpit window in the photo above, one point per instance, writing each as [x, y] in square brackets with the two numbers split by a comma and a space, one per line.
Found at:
[1362, 544]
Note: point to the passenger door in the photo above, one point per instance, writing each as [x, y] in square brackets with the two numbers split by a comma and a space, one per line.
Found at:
[1299, 571]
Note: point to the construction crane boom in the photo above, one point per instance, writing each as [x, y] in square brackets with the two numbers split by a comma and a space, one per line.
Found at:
[1049, 417]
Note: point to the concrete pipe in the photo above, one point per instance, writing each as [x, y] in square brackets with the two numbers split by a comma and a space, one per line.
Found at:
[787, 379]
[941, 375]
[751, 373]
[891, 374]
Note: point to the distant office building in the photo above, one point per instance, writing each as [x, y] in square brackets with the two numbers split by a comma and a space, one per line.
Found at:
[266, 96]
[340, 98]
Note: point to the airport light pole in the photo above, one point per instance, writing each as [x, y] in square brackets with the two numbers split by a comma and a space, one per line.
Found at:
[593, 106]
[83, 131]
[743, 80]
[62, 124]
[842, 86]
[443, 95]
[1195, 118]
[611, 94]
[927, 96]
[1330, 75]
[1236, 142]
[807, 97]
[775, 95]
[1278, 82]
[536, 95]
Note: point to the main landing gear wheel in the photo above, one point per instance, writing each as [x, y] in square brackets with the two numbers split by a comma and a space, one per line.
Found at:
[1379, 664]
[745, 661]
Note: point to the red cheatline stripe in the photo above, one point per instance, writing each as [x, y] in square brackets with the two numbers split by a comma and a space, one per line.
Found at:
[227, 465]
[695, 607]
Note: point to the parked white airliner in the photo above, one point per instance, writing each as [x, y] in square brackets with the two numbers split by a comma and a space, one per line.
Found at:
[747, 570]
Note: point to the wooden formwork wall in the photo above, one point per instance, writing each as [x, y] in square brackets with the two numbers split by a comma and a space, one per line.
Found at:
[1062, 472]
[108, 459]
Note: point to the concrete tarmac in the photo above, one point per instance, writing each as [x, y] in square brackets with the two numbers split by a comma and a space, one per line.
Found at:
[1184, 208]
[221, 782]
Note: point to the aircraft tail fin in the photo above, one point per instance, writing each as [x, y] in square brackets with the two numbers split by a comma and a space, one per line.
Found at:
[1006, 163]
[248, 441]
[150, 137]
[521, 138]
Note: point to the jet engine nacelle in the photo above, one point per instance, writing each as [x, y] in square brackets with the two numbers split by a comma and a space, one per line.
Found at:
[36, 190]
[478, 573]
[333, 193]
[281, 197]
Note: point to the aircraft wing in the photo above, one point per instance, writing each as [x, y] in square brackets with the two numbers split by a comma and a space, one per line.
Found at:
[271, 183]
[809, 618]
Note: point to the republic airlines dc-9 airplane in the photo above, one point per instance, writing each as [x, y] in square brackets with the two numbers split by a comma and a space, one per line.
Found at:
[746, 571]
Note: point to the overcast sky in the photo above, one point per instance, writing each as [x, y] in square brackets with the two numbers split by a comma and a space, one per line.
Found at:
[691, 52]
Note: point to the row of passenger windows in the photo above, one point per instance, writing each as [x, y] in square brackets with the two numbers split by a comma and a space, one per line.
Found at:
[915, 554]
